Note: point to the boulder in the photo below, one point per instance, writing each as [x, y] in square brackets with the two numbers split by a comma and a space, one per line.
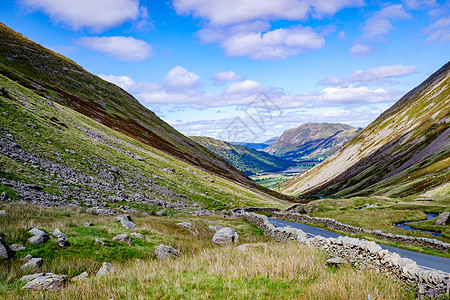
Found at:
[105, 269]
[443, 219]
[31, 277]
[126, 222]
[138, 235]
[36, 231]
[225, 235]
[3, 251]
[162, 212]
[59, 234]
[163, 251]
[16, 247]
[212, 227]
[81, 276]
[46, 282]
[39, 239]
[27, 258]
[88, 224]
[185, 224]
[34, 263]
[336, 261]
[62, 242]
[123, 238]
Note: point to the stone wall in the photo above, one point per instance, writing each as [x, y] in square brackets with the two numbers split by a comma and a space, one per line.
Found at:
[361, 253]
[255, 209]
[432, 244]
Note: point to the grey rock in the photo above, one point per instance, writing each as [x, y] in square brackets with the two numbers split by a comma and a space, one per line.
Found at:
[81, 276]
[36, 231]
[423, 199]
[101, 211]
[34, 263]
[48, 282]
[100, 242]
[127, 222]
[185, 224]
[225, 235]
[27, 258]
[62, 242]
[367, 205]
[335, 261]
[163, 251]
[211, 227]
[105, 269]
[31, 276]
[138, 235]
[16, 247]
[123, 238]
[88, 224]
[162, 212]
[4, 196]
[443, 219]
[4, 213]
[59, 234]
[3, 251]
[38, 239]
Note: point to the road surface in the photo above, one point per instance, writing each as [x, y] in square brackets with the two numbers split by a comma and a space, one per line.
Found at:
[423, 260]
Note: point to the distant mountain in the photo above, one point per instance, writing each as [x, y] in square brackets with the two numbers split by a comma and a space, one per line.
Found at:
[248, 160]
[256, 146]
[405, 151]
[312, 141]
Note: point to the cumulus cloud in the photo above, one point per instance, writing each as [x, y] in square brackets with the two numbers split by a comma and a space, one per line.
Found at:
[180, 78]
[247, 86]
[360, 50]
[223, 77]
[439, 31]
[119, 47]
[370, 76]
[224, 13]
[123, 81]
[380, 24]
[96, 15]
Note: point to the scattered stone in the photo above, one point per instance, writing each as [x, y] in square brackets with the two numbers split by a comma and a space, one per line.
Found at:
[126, 222]
[88, 224]
[4, 213]
[225, 235]
[81, 276]
[211, 227]
[34, 263]
[105, 269]
[36, 231]
[59, 234]
[62, 242]
[16, 247]
[101, 211]
[423, 199]
[4, 196]
[3, 251]
[27, 258]
[367, 205]
[138, 235]
[100, 242]
[336, 261]
[162, 212]
[163, 251]
[123, 238]
[31, 277]
[47, 282]
[39, 239]
[443, 219]
[185, 224]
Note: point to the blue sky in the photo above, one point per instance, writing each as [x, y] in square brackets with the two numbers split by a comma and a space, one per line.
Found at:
[246, 70]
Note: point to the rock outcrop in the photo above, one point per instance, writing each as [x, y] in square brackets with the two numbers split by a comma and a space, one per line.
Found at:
[225, 235]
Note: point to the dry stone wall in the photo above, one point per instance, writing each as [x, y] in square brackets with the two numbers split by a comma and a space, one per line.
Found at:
[361, 253]
[432, 244]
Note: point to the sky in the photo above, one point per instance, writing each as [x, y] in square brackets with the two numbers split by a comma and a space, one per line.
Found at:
[246, 70]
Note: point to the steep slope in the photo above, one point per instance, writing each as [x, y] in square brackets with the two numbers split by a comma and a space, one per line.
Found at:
[60, 80]
[405, 151]
[248, 160]
[312, 141]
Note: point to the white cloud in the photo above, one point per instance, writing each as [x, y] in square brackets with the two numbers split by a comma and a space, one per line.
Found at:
[231, 12]
[244, 87]
[418, 4]
[360, 50]
[380, 24]
[223, 77]
[96, 15]
[439, 31]
[124, 82]
[119, 47]
[180, 78]
[371, 76]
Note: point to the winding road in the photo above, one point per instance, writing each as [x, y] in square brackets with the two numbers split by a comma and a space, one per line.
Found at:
[425, 261]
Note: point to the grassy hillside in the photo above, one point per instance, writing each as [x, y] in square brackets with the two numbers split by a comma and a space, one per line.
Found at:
[405, 151]
[312, 141]
[59, 80]
[248, 160]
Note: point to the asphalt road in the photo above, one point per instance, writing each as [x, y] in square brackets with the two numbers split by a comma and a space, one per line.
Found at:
[424, 260]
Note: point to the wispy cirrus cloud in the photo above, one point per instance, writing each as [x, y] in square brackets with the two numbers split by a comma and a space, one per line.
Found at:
[439, 31]
[380, 24]
[119, 47]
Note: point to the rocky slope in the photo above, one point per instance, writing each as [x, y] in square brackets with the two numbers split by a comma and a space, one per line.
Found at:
[405, 151]
[312, 141]
[59, 80]
[248, 160]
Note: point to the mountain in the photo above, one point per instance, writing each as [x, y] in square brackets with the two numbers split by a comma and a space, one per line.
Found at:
[405, 151]
[256, 146]
[57, 79]
[248, 160]
[312, 141]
